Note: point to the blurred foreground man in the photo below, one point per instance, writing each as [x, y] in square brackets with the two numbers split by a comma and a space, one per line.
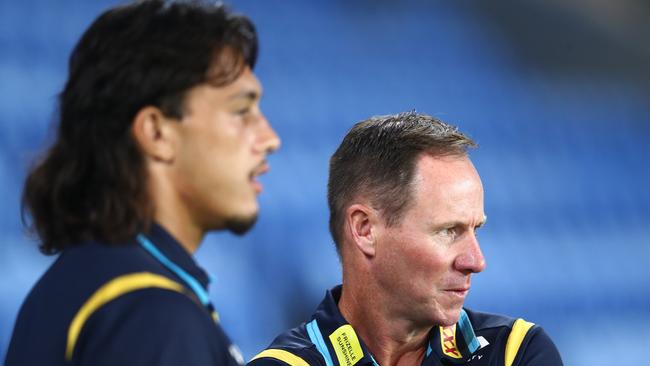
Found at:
[160, 140]
[405, 204]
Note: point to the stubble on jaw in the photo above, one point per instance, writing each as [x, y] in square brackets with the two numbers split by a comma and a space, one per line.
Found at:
[241, 225]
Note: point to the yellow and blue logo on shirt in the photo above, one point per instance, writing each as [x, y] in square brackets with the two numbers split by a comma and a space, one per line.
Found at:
[347, 346]
[448, 342]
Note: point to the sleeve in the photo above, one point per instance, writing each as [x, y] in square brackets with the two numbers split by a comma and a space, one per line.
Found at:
[283, 357]
[539, 350]
[152, 327]
[266, 361]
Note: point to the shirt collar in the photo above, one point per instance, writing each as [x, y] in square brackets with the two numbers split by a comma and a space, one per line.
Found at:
[451, 343]
[347, 349]
[176, 253]
[344, 346]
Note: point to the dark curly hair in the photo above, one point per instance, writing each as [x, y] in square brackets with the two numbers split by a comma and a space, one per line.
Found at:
[377, 159]
[91, 183]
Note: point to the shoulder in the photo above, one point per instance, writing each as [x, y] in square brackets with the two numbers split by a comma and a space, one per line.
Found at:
[482, 320]
[80, 271]
[132, 307]
[141, 326]
[520, 342]
[163, 306]
[537, 349]
[90, 264]
[292, 347]
[77, 274]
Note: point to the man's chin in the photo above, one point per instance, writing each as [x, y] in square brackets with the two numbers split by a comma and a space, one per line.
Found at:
[449, 317]
[241, 225]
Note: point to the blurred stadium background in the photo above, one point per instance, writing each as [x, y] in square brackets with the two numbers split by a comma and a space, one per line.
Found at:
[555, 92]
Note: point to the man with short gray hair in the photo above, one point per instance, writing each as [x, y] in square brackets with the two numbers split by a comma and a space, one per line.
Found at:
[405, 204]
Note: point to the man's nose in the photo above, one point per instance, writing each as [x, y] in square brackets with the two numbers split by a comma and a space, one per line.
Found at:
[471, 260]
[268, 139]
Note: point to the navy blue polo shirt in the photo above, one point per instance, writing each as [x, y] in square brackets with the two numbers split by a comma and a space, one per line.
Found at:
[120, 306]
[478, 339]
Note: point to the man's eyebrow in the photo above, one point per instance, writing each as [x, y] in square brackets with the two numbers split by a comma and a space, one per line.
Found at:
[456, 223]
[246, 94]
[448, 224]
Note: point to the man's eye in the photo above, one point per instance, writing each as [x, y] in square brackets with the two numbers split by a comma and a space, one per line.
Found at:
[448, 232]
[243, 111]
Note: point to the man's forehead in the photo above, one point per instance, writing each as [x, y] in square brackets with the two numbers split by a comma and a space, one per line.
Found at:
[449, 182]
[246, 86]
[444, 169]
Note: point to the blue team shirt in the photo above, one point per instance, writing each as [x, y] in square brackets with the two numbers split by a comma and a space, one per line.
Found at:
[478, 339]
[147, 326]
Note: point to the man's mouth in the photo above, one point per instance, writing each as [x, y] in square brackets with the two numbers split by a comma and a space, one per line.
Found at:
[461, 291]
[260, 169]
[458, 290]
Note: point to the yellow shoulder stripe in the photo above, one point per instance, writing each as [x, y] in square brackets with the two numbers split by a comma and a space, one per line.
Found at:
[109, 291]
[282, 355]
[516, 337]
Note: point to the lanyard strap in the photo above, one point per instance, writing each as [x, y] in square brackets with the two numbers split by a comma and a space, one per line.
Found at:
[192, 282]
[467, 331]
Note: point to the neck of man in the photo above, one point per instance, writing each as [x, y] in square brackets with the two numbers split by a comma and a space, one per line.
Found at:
[392, 339]
[172, 214]
[188, 235]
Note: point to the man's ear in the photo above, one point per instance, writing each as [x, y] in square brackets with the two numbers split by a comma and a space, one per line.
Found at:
[154, 134]
[361, 222]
